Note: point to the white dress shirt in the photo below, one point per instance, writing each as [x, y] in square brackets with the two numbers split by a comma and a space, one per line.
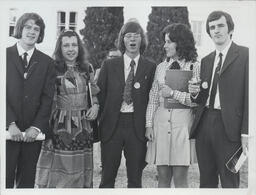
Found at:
[21, 52]
[216, 61]
[30, 52]
[127, 61]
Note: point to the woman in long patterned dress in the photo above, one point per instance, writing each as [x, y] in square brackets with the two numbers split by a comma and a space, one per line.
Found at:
[167, 130]
[66, 160]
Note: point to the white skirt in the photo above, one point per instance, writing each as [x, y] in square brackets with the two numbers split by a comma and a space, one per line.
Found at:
[171, 145]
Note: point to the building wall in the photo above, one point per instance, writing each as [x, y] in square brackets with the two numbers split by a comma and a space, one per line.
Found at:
[241, 14]
[197, 12]
[49, 16]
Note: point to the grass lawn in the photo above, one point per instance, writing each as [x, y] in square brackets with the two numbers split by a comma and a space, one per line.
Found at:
[149, 174]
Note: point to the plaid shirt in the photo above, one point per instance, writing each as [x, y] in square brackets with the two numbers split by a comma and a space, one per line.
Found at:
[155, 97]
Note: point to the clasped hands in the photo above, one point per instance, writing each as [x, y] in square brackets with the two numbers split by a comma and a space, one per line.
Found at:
[16, 135]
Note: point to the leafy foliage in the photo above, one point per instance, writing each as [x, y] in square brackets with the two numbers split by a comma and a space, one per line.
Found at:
[102, 25]
[159, 18]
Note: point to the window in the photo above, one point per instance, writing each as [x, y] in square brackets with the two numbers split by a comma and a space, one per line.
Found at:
[12, 20]
[72, 20]
[66, 20]
[61, 22]
[197, 31]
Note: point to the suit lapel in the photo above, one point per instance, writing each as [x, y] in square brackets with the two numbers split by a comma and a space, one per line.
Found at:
[209, 69]
[16, 59]
[140, 69]
[231, 56]
[119, 69]
[33, 63]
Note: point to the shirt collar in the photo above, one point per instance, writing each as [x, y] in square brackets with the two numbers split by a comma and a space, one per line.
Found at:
[224, 51]
[127, 60]
[21, 51]
[181, 62]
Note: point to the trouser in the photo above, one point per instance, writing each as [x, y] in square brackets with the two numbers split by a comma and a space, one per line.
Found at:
[124, 139]
[21, 160]
[213, 151]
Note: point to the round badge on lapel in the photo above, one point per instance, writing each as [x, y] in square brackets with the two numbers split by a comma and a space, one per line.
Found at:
[204, 85]
[137, 85]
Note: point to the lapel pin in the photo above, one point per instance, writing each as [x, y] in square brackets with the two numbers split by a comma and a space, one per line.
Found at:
[25, 75]
[146, 77]
[204, 85]
[137, 85]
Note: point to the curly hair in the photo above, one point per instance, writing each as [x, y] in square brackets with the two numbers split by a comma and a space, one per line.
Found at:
[183, 37]
[131, 26]
[21, 23]
[81, 59]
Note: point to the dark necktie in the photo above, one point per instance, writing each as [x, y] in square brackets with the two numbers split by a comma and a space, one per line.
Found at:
[215, 82]
[127, 96]
[175, 66]
[25, 61]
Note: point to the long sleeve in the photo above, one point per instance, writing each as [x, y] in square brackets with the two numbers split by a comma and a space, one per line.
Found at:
[94, 89]
[153, 102]
[245, 122]
[102, 84]
[42, 118]
[11, 116]
[184, 97]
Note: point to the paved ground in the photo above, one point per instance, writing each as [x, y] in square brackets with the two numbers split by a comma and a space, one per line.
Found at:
[149, 174]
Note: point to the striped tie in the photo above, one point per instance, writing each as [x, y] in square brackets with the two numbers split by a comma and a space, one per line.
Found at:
[127, 96]
[25, 60]
[215, 82]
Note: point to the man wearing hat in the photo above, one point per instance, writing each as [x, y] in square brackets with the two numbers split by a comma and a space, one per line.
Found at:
[124, 84]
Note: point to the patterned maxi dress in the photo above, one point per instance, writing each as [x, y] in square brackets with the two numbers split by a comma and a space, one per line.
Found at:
[69, 163]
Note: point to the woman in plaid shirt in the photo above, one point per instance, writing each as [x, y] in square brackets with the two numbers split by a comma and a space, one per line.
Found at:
[167, 129]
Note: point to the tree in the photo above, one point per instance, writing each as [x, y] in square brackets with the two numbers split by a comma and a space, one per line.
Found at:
[102, 25]
[159, 18]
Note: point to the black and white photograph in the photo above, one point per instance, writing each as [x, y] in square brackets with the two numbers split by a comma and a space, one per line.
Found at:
[132, 97]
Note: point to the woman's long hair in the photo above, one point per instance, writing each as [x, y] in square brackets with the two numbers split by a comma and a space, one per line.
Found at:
[183, 37]
[81, 59]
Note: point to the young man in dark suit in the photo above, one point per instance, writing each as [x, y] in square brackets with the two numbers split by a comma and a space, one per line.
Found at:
[29, 92]
[124, 84]
[221, 121]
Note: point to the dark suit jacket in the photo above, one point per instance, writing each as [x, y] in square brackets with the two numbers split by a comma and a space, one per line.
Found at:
[111, 83]
[233, 91]
[28, 101]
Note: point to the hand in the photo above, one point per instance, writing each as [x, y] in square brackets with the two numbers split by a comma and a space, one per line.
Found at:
[244, 141]
[30, 134]
[149, 134]
[166, 91]
[48, 144]
[16, 134]
[193, 87]
[92, 113]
